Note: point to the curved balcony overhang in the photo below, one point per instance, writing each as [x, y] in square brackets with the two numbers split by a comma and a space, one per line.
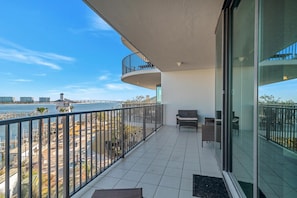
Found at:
[138, 70]
[143, 78]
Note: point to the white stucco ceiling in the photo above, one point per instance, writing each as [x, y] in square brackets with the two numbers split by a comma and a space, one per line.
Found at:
[166, 31]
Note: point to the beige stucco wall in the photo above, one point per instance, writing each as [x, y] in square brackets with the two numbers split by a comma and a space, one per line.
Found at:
[193, 89]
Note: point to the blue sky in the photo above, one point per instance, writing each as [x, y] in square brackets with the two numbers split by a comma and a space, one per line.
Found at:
[284, 90]
[49, 47]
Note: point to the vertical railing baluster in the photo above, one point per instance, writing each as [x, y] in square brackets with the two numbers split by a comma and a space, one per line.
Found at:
[108, 137]
[73, 152]
[96, 142]
[91, 143]
[40, 157]
[111, 131]
[123, 132]
[7, 159]
[80, 149]
[86, 146]
[156, 115]
[57, 156]
[144, 123]
[66, 158]
[100, 142]
[30, 159]
[104, 141]
[49, 157]
[19, 184]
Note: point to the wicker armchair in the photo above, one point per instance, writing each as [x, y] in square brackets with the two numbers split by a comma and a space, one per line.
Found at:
[208, 130]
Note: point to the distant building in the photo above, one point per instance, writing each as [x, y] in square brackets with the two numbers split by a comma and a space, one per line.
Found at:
[44, 99]
[27, 99]
[6, 99]
[64, 105]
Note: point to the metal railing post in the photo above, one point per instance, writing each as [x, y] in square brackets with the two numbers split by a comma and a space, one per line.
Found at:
[123, 133]
[66, 157]
[49, 156]
[144, 123]
[19, 188]
[7, 159]
[156, 115]
[30, 159]
[40, 157]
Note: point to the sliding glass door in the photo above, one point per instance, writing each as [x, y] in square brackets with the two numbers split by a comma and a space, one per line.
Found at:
[219, 90]
[277, 92]
[242, 93]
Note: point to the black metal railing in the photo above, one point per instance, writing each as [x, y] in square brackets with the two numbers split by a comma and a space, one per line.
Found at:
[278, 123]
[57, 155]
[135, 62]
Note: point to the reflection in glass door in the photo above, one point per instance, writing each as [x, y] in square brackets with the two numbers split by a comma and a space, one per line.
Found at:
[219, 90]
[277, 92]
[242, 105]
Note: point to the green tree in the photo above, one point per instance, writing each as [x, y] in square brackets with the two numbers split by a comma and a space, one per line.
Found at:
[270, 99]
[42, 110]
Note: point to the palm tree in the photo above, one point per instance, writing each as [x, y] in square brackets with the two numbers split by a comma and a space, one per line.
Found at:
[42, 110]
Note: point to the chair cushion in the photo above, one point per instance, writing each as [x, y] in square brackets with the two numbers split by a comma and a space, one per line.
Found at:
[187, 119]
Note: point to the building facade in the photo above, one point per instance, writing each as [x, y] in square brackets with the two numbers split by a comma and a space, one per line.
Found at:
[223, 58]
[7, 99]
[44, 99]
[27, 99]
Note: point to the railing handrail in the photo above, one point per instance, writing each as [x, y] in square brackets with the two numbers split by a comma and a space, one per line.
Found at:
[135, 62]
[49, 115]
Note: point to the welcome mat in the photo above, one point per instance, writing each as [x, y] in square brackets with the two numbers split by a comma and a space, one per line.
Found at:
[118, 193]
[209, 187]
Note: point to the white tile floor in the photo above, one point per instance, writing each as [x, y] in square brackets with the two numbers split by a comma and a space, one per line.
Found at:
[163, 165]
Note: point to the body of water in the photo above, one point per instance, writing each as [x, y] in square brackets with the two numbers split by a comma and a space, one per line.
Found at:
[77, 107]
[6, 109]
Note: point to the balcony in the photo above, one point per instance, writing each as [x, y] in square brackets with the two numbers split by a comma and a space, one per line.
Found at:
[57, 155]
[137, 70]
[73, 154]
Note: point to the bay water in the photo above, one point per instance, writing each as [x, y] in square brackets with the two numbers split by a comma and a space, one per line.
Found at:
[30, 108]
[77, 107]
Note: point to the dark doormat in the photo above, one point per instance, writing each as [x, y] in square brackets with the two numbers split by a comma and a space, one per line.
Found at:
[209, 187]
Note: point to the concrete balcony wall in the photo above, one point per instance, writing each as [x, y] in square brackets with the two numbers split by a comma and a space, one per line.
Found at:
[191, 89]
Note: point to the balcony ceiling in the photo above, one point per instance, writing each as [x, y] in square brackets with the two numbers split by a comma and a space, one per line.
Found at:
[167, 31]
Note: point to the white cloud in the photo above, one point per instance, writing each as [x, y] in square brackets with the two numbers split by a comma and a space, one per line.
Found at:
[118, 86]
[103, 77]
[22, 80]
[13, 52]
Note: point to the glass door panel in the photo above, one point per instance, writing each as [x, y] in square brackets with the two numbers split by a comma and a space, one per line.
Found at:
[219, 90]
[277, 85]
[242, 105]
